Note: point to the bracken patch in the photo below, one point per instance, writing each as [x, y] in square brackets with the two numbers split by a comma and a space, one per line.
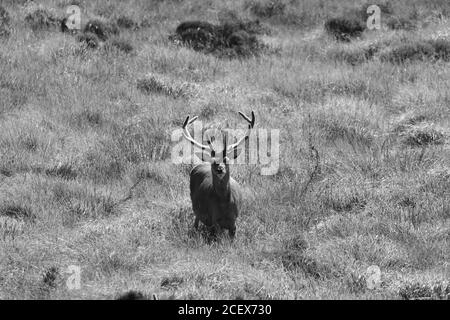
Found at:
[344, 29]
[230, 40]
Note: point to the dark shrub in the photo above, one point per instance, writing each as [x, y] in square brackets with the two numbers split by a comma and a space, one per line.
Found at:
[50, 277]
[199, 35]
[132, 295]
[240, 38]
[41, 19]
[4, 32]
[423, 137]
[188, 25]
[4, 17]
[102, 30]
[344, 29]
[226, 40]
[441, 49]
[90, 39]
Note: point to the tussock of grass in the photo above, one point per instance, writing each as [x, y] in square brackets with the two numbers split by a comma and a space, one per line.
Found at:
[145, 140]
[4, 22]
[64, 171]
[4, 17]
[42, 19]
[419, 50]
[419, 291]
[122, 45]
[89, 117]
[103, 164]
[16, 211]
[154, 84]
[354, 55]
[401, 23]
[287, 13]
[267, 9]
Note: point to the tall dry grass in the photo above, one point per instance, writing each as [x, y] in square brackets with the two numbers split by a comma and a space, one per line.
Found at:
[86, 177]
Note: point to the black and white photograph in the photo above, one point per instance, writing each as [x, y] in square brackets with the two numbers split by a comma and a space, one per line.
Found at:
[240, 152]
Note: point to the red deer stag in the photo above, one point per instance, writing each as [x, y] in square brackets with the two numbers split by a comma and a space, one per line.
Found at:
[215, 195]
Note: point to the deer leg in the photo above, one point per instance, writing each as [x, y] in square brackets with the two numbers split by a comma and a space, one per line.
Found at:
[213, 231]
[196, 223]
[232, 232]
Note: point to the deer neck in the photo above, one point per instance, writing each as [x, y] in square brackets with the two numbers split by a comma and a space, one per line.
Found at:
[222, 186]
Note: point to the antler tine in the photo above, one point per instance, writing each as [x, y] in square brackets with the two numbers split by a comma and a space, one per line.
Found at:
[188, 136]
[225, 149]
[193, 119]
[245, 137]
[213, 152]
[187, 121]
[251, 121]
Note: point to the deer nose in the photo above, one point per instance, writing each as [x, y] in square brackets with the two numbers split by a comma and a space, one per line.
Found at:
[221, 168]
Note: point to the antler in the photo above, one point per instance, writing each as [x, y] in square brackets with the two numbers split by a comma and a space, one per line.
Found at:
[188, 136]
[245, 137]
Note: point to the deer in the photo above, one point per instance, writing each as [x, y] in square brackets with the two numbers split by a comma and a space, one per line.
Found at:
[216, 197]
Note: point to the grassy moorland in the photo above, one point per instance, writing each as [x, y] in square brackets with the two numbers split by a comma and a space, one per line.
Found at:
[86, 177]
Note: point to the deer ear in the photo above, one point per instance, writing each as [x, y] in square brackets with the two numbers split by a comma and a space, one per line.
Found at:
[234, 153]
[204, 156]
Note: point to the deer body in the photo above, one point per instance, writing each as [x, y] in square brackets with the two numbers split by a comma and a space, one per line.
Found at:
[215, 196]
[215, 201]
